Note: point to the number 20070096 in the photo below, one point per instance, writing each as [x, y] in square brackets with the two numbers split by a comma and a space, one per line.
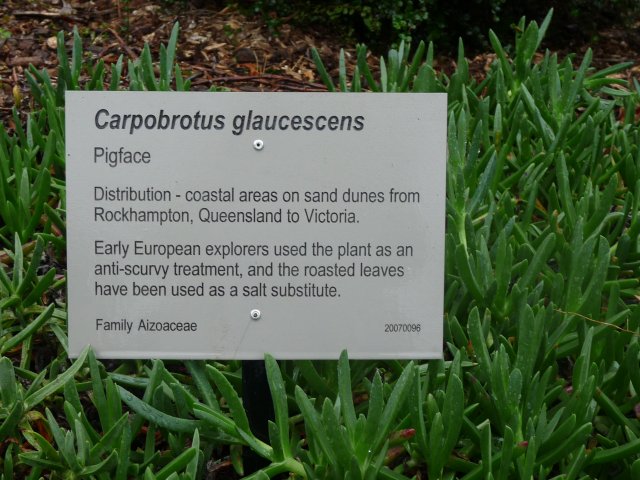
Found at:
[402, 327]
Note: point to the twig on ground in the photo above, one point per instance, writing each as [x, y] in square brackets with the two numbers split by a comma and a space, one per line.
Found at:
[124, 45]
[31, 13]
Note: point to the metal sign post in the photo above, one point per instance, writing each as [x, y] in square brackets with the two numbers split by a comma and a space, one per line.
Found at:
[307, 223]
[256, 398]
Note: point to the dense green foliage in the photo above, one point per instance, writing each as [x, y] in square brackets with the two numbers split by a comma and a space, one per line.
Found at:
[540, 378]
[379, 23]
[579, 20]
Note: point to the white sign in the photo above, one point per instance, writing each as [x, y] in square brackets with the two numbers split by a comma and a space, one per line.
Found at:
[227, 225]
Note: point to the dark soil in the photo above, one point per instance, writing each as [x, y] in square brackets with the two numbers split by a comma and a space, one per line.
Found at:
[217, 46]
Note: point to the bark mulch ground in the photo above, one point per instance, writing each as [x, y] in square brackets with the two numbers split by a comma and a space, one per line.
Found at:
[217, 46]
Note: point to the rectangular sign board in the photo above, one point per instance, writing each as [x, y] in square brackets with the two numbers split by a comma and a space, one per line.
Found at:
[228, 225]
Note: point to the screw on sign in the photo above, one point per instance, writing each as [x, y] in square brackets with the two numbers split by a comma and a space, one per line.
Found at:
[256, 314]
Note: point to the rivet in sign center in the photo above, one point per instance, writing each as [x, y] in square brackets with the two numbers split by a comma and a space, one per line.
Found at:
[258, 144]
[255, 314]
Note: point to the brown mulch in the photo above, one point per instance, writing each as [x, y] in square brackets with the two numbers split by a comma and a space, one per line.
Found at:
[217, 46]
